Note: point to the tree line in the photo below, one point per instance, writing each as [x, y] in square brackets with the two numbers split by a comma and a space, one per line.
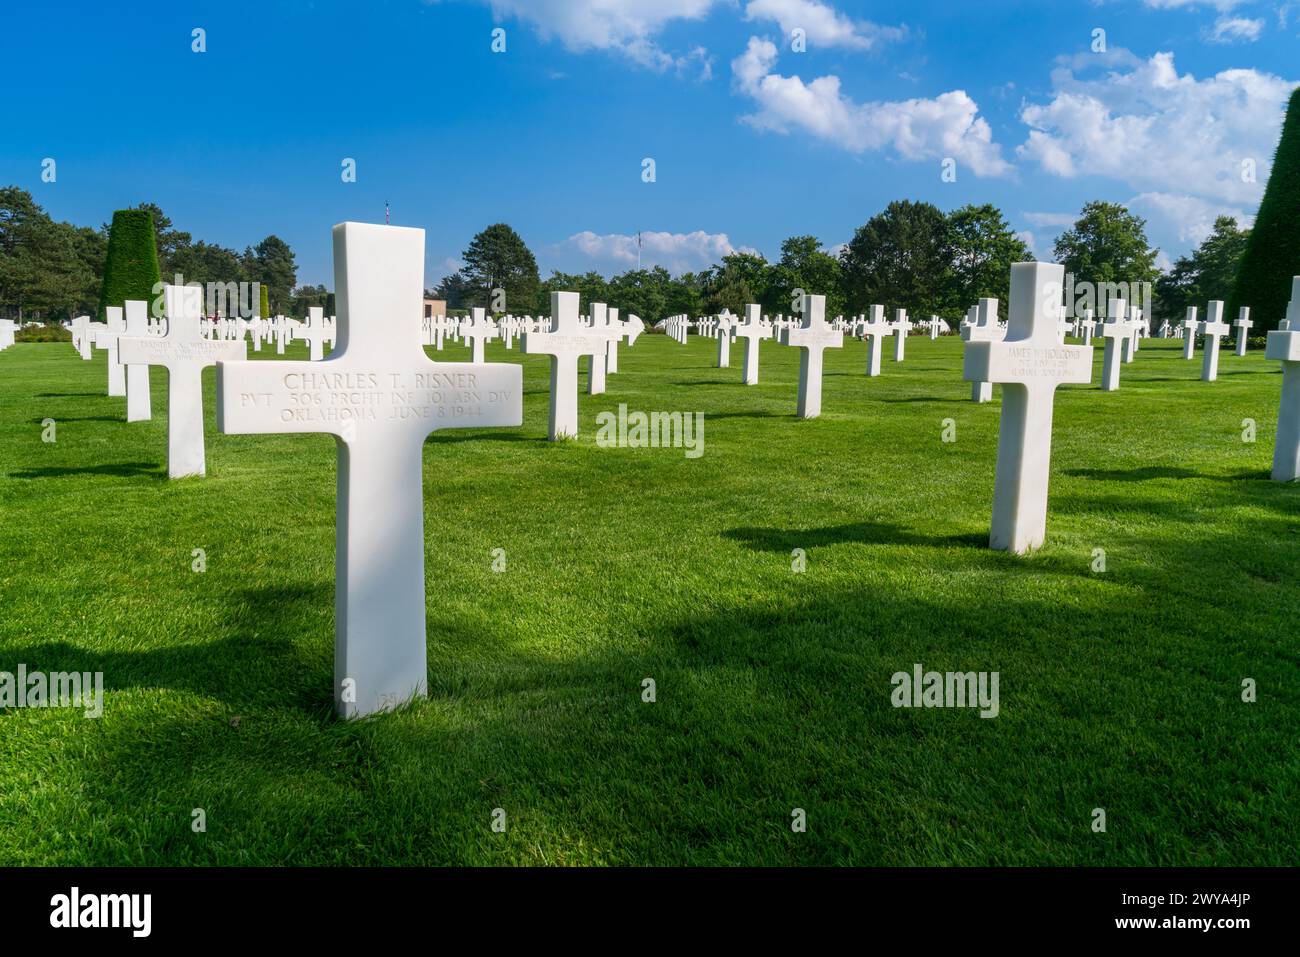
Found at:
[910, 255]
[52, 270]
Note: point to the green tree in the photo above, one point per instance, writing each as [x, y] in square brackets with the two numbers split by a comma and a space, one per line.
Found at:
[171, 242]
[590, 287]
[984, 247]
[453, 291]
[901, 258]
[1272, 254]
[1208, 272]
[1107, 244]
[740, 279]
[131, 261]
[498, 258]
[804, 265]
[271, 262]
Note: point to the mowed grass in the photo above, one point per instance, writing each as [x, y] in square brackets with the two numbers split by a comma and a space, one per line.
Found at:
[1120, 689]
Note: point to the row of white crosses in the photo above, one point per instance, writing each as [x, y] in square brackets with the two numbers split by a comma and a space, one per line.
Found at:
[567, 340]
[677, 328]
[381, 396]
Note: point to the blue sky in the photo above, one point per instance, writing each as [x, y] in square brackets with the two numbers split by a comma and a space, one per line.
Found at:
[752, 141]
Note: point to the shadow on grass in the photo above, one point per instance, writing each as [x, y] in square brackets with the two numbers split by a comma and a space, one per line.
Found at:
[862, 533]
[784, 695]
[71, 395]
[255, 657]
[118, 470]
[911, 399]
[82, 418]
[1150, 472]
[460, 435]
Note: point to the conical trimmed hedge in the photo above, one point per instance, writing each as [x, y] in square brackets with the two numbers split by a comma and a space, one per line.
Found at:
[1272, 253]
[265, 303]
[131, 263]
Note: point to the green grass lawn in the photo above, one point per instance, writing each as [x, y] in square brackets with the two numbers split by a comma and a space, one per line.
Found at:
[1120, 690]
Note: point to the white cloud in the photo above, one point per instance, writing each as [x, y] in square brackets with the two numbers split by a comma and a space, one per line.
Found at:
[1027, 237]
[822, 24]
[1235, 29]
[1159, 132]
[627, 27]
[1051, 220]
[1190, 216]
[676, 252]
[1223, 5]
[918, 129]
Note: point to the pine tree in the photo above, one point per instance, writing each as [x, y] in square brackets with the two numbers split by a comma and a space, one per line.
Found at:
[131, 264]
[1272, 253]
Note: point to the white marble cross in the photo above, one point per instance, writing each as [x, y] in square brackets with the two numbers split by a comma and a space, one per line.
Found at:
[478, 331]
[1128, 347]
[139, 407]
[1243, 325]
[812, 339]
[875, 330]
[724, 343]
[934, 328]
[1284, 347]
[611, 347]
[983, 327]
[753, 330]
[1189, 333]
[184, 353]
[1116, 330]
[1086, 326]
[1030, 363]
[7, 330]
[313, 331]
[599, 325]
[81, 336]
[1213, 329]
[106, 337]
[380, 396]
[901, 328]
[565, 343]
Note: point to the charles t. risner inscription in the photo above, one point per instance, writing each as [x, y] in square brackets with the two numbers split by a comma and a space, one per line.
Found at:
[381, 396]
[372, 396]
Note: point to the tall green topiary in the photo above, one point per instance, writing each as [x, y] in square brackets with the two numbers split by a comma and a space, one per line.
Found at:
[265, 304]
[1272, 253]
[131, 263]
